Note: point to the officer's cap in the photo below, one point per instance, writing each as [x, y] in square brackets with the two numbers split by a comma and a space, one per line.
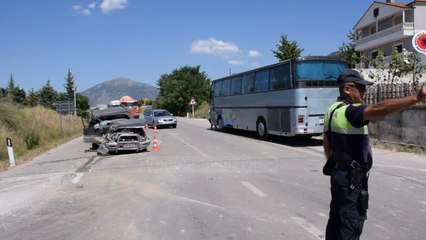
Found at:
[350, 75]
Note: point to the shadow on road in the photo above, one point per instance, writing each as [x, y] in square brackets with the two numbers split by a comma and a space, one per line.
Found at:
[289, 141]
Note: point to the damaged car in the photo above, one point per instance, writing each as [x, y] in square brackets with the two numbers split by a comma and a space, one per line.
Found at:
[124, 135]
[99, 121]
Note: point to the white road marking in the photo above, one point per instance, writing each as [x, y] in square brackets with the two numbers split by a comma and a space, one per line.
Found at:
[382, 228]
[77, 178]
[189, 145]
[198, 202]
[254, 189]
[33, 177]
[314, 231]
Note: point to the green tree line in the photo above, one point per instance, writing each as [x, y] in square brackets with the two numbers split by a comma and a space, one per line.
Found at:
[46, 95]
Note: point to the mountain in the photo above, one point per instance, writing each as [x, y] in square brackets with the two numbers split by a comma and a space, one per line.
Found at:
[114, 89]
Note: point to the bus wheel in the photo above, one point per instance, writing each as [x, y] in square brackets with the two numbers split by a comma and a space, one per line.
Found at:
[261, 130]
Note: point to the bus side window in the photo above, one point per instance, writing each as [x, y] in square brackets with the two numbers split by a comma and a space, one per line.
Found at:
[248, 83]
[226, 87]
[280, 77]
[236, 86]
[218, 88]
[261, 81]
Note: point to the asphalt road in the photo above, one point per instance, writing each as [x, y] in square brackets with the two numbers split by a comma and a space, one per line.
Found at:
[201, 184]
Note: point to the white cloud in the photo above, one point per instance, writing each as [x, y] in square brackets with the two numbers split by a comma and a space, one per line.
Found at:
[92, 5]
[85, 10]
[215, 47]
[112, 5]
[253, 53]
[235, 62]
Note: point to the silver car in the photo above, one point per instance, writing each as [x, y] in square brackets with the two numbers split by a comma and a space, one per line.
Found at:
[159, 118]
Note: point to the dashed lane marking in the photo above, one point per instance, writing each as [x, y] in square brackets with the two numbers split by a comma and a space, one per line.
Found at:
[254, 189]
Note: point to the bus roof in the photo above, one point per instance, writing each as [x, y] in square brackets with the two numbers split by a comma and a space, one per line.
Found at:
[304, 58]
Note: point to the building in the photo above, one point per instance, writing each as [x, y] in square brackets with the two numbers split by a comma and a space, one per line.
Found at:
[390, 25]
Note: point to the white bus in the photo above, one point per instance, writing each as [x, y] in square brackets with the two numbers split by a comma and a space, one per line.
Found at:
[285, 99]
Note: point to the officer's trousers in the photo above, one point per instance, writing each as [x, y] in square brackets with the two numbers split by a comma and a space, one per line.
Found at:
[346, 220]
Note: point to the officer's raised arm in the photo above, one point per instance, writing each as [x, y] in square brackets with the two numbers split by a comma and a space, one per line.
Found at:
[389, 106]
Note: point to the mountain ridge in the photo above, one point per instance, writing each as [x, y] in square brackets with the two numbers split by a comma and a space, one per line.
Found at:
[115, 88]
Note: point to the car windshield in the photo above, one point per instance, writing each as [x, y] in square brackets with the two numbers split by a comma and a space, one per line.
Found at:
[161, 114]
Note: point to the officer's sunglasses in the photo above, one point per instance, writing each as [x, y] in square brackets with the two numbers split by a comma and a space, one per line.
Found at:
[358, 86]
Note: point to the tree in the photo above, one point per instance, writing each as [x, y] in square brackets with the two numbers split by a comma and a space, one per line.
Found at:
[15, 93]
[400, 65]
[177, 88]
[32, 98]
[286, 49]
[47, 95]
[347, 50]
[82, 103]
[69, 85]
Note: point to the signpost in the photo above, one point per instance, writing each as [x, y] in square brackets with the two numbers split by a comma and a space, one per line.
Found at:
[63, 107]
[192, 102]
[10, 152]
[419, 44]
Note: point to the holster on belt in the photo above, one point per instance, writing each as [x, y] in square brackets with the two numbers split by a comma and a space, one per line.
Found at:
[358, 175]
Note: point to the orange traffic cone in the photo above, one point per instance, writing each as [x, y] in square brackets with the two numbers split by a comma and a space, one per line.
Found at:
[146, 127]
[155, 146]
[155, 128]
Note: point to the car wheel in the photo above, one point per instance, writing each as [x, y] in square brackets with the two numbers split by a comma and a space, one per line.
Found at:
[261, 129]
[174, 126]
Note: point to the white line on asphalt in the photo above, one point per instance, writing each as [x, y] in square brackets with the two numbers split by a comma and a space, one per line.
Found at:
[254, 189]
[189, 145]
[318, 234]
[33, 177]
[198, 202]
[77, 178]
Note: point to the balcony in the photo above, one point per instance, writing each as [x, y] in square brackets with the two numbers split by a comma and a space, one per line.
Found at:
[394, 33]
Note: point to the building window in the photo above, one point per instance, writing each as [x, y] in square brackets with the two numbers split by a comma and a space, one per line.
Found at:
[373, 29]
[398, 48]
[374, 54]
[397, 19]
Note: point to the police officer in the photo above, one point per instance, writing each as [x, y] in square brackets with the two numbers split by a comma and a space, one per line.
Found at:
[346, 142]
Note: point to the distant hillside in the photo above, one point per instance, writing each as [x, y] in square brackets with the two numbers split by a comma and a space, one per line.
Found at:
[113, 89]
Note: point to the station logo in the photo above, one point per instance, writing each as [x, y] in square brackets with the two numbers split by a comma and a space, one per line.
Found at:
[419, 42]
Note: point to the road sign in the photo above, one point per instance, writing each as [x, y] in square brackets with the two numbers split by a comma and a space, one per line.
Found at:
[192, 101]
[64, 106]
[419, 42]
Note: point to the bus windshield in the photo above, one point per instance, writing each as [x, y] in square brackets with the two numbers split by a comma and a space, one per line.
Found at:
[319, 70]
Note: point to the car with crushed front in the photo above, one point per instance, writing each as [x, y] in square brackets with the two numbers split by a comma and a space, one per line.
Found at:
[99, 121]
[159, 118]
[124, 135]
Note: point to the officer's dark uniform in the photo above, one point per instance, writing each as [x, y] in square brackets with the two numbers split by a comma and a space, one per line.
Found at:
[349, 142]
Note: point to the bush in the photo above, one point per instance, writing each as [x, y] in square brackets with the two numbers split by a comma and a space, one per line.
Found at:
[32, 139]
[202, 111]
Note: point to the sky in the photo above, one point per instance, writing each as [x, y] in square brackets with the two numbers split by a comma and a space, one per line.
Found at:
[99, 40]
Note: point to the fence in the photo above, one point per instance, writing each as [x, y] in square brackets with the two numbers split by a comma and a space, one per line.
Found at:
[406, 127]
[381, 91]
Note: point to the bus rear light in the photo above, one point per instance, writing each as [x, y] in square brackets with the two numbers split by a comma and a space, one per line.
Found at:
[300, 119]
